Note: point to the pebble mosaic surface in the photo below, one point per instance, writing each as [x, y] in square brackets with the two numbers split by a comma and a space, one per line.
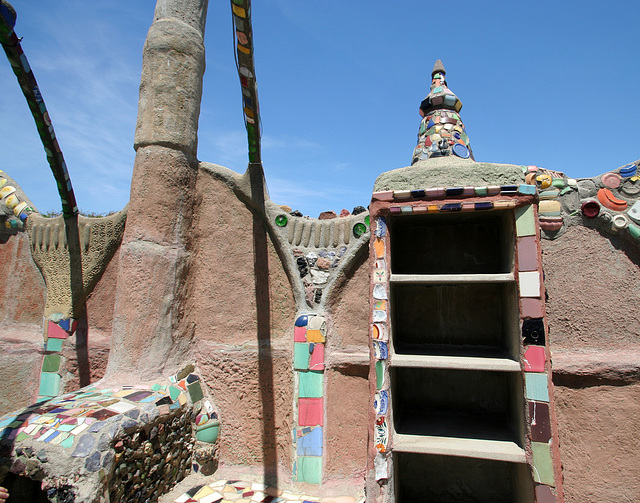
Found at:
[67, 420]
[237, 491]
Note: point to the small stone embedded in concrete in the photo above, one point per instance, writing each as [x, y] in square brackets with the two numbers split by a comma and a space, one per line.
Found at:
[92, 463]
[358, 209]
[85, 445]
[327, 215]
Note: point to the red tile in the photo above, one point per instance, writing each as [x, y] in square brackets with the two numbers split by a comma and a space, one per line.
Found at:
[316, 362]
[310, 411]
[54, 330]
[534, 358]
[300, 334]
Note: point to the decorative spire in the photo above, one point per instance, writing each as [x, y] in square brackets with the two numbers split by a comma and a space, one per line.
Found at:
[441, 132]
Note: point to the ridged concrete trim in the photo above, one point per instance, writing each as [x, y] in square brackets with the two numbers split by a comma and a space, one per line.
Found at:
[99, 239]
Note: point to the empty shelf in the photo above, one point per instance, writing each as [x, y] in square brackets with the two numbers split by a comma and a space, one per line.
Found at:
[440, 279]
[463, 447]
[455, 362]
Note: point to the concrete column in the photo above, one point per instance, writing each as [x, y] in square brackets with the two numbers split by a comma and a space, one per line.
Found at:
[149, 329]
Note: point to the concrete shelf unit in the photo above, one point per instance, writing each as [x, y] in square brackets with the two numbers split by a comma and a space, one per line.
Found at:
[456, 386]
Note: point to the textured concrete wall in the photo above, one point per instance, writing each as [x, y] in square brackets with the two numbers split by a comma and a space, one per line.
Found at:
[593, 286]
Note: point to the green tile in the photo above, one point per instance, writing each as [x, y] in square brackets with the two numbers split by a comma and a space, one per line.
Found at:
[310, 469]
[525, 221]
[379, 374]
[68, 442]
[542, 464]
[49, 384]
[195, 391]
[301, 356]
[51, 363]
[311, 384]
[54, 344]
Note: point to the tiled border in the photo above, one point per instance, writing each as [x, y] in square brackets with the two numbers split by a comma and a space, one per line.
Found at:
[309, 337]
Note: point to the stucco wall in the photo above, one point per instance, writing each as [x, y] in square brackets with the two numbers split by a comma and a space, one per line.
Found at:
[593, 286]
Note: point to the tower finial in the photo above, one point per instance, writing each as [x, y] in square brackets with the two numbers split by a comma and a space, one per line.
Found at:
[438, 67]
[441, 132]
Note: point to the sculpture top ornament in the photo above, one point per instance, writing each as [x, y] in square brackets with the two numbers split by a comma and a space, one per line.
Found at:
[442, 132]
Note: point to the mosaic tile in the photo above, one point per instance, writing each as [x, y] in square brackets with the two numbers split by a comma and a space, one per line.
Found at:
[544, 494]
[300, 356]
[542, 464]
[534, 359]
[309, 442]
[525, 221]
[527, 250]
[55, 331]
[51, 363]
[49, 384]
[315, 336]
[311, 384]
[533, 331]
[310, 469]
[316, 360]
[540, 421]
[310, 411]
[53, 344]
[529, 283]
[536, 386]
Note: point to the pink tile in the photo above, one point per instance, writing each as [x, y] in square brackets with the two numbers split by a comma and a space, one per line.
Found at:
[316, 362]
[310, 411]
[534, 358]
[386, 195]
[527, 254]
[53, 330]
[300, 334]
[544, 494]
[532, 308]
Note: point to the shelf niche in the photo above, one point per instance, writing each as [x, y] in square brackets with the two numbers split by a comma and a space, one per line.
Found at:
[450, 479]
[453, 243]
[470, 404]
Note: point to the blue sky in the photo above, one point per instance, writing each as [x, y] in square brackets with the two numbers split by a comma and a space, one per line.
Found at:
[553, 84]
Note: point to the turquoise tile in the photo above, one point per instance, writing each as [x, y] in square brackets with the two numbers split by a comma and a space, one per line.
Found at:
[310, 469]
[174, 392]
[525, 221]
[54, 344]
[536, 384]
[542, 464]
[51, 363]
[300, 356]
[311, 384]
[49, 384]
[527, 189]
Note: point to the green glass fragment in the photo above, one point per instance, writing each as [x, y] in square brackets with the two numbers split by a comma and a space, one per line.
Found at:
[359, 229]
[281, 220]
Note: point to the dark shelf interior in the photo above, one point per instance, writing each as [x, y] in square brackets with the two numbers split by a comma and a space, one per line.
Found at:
[458, 403]
[480, 319]
[456, 243]
[447, 479]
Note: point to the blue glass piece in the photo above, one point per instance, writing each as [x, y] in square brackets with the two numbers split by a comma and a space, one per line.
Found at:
[302, 321]
[451, 207]
[461, 151]
[454, 191]
[381, 227]
[417, 193]
[508, 189]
